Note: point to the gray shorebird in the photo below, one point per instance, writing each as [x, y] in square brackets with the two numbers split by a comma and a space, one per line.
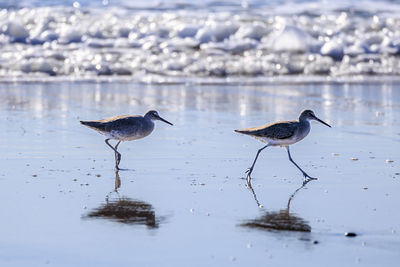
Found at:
[125, 128]
[283, 133]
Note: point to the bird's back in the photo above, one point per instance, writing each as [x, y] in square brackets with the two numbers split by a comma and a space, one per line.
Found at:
[276, 130]
[104, 124]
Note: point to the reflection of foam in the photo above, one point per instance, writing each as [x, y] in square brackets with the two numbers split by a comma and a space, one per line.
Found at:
[311, 40]
[336, 102]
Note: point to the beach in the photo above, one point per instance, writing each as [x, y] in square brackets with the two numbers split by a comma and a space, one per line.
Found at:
[185, 198]
[208, 67]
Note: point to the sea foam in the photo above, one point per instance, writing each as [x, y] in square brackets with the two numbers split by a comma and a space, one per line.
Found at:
[335, 41]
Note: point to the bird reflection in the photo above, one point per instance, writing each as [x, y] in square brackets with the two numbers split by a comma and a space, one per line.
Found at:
[281, 220]
[126, 210]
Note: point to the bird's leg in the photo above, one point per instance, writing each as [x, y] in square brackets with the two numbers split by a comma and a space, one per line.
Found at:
[117, 154]
[306, 176]
[250, 170]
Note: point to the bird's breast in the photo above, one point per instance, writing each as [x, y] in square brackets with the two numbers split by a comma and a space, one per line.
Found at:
[302, 132]
[280, 142]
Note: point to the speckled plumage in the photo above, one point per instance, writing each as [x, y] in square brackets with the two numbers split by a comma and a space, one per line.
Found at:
[282, 133]
[277, 130]
[125, 128]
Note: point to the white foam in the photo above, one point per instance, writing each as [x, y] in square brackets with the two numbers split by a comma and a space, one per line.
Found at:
[255, 31]
[334, 49]
[17, 31]
[48, 66]
[188, 30]
[298, 39]
[291, 39]
[68, 34]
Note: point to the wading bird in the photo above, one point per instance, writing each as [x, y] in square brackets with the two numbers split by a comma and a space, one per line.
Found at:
[125, 128]
[282, 133]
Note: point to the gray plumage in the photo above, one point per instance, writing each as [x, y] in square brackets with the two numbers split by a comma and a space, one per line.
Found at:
[282, 133]
[276, 130]
[125, 128]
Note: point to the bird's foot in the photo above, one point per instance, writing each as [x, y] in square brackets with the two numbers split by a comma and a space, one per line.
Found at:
[308, 177]
[249, 170]
[117, 168]
[120, 169]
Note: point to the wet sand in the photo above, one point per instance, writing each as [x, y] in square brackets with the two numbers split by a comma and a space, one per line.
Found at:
[184, 201]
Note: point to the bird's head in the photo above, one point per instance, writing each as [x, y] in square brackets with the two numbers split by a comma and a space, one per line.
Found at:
[153, 115]
[308, 115]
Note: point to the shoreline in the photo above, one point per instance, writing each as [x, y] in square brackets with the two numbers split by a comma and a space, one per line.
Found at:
[240, 81]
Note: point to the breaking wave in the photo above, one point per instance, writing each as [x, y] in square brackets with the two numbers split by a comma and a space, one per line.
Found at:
[237, 41]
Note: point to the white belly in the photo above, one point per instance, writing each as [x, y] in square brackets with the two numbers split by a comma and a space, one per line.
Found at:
[126, 137]
[278, 142]
[283, 142]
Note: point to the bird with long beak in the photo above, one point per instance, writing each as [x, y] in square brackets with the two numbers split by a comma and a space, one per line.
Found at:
[282, 133]
[125, 128]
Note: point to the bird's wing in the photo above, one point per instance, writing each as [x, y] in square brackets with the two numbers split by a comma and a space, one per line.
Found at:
[121, 123]
[116, 118]
[96, 125]
[277, 130]
[113, 123]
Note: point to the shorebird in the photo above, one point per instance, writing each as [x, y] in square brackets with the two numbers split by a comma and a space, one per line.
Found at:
[283, 133]
[125, 128]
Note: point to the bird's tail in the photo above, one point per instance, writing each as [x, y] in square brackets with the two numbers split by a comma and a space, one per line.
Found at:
[94, 124]
[242, 131]
[89, 123]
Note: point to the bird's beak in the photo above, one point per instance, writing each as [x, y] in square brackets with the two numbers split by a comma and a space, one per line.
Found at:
[321, 121]
[161, 119]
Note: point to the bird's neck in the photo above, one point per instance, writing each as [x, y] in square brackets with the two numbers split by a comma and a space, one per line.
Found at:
[148, 117]
[304, 128]
[149, 120]
[304, 121]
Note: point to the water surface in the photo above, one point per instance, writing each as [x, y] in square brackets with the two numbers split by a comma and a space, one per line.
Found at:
[184, 200]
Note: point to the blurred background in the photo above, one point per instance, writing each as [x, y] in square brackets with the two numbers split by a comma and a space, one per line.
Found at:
[201, 42]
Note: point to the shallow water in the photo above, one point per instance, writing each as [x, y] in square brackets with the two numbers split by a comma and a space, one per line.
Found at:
[184, 201]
